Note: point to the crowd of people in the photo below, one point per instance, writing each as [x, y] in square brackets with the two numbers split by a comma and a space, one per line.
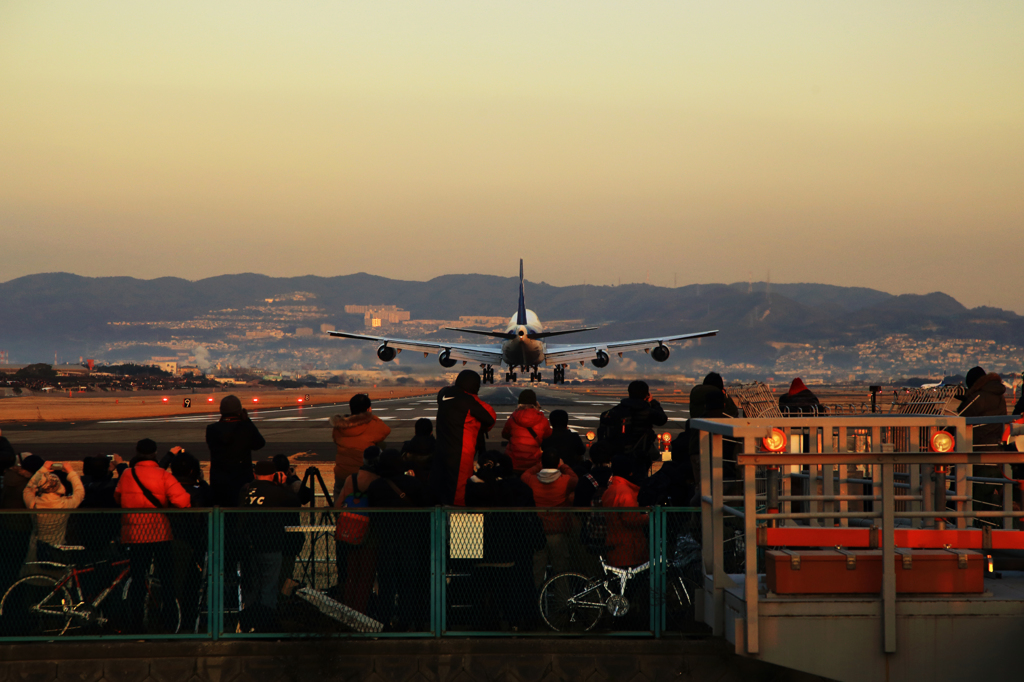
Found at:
[542, 464]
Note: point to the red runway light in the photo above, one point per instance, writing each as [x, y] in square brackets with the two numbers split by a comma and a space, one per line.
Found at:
[300, 400]
[165, 400]
[209, 400]
[255, 400]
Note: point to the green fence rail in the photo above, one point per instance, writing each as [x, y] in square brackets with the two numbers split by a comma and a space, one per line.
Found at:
[428, 572]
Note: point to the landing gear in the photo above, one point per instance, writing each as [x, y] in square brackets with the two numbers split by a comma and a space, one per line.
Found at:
[510, 377]
[559, 375]
[535, 376]
[488, 374]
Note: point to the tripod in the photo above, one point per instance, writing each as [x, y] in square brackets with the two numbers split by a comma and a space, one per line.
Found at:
[320, 527]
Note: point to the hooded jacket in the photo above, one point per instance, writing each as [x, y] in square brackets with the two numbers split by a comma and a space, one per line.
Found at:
[353, 434]
[144, 528]
[986, 398]
[625, 529]
[461, 419]
[525, 430]
[799, 400]
[552, 488]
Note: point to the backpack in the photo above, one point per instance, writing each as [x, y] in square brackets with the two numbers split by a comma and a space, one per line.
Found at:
[612, 426]
[594, 532]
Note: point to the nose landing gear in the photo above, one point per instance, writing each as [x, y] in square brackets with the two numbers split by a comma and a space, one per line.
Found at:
[559, 375]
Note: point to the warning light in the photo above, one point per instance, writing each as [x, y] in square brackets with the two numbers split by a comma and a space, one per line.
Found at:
[300, 400]
[775, 442]
[209, 400]
[591, 436]
[165, 400]
[942, 441]
[255, 400]
[666, 437]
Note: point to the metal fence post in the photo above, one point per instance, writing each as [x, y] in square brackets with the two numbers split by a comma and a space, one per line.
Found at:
[442, 560]
[436, 574]
[656, 596]
[215, 596]
[750, 546]
[888, 558]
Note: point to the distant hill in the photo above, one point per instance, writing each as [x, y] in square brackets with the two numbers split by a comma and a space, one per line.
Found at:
[60, 311]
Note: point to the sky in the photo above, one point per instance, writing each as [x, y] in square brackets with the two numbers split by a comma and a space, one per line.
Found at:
[864, 143]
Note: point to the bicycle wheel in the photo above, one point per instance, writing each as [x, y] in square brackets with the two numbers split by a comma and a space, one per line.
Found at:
[571, 602]
[45, 607]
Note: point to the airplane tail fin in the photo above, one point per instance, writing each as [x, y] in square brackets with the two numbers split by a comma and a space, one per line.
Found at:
[521, 316]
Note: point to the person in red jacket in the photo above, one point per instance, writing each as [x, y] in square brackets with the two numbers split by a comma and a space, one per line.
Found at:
[147, 537]
[554, 485]
[525, 430]
[625, 529]
[462, 421]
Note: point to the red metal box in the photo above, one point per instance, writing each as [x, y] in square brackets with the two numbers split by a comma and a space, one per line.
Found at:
[860, 572]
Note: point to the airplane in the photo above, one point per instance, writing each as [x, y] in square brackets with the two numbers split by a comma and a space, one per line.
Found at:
[523, 346]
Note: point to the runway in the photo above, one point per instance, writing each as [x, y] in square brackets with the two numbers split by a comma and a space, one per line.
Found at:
[291, 430]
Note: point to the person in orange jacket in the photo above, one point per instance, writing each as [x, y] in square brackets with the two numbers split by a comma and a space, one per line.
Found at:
[525, 430]
[625, 529]
[554, 485]
[353, 435]
[148, 536]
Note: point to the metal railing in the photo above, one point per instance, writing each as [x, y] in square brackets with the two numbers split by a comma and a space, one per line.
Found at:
[880, 454]
[415, 572]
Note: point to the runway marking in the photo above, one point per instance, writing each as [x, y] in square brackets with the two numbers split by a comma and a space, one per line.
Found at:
[404, 409]
[289, 419]
[676, 419]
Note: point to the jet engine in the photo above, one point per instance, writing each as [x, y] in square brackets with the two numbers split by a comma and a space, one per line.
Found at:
[386, 353]
[601, 360]
[660, 354]
[445, 358]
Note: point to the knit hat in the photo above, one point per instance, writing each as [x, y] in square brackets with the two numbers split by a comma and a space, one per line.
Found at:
[714, 379]
[973, 376]
[265, 467]
[146, 446]
[638, 390]
[51, 484]
[527, 397]
[468, 381]
[32, 463]
[230, 405]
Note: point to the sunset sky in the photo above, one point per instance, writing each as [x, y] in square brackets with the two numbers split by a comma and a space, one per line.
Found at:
[864, 143]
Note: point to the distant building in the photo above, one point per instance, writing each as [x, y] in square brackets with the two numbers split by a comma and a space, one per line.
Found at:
[303, 331]
[165, 365]
[190, 370]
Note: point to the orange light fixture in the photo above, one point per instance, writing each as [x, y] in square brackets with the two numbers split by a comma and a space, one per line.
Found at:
[775, 442]
[591, 436]
[667, 437]
[942, 441]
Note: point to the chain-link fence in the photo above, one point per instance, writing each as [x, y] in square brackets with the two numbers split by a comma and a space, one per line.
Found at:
[426, 572]
[105, 573]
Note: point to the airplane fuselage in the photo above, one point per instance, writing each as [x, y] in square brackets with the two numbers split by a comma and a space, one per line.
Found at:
[521, 350]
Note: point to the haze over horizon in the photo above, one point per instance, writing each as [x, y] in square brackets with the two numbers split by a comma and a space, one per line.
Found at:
[872, 145]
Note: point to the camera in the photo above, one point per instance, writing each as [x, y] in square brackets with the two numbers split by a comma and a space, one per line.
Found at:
[56, 466]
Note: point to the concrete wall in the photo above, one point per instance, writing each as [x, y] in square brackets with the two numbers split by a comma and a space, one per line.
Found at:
[470, 660]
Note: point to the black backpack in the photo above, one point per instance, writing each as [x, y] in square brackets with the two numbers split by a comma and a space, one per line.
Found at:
[614, 425]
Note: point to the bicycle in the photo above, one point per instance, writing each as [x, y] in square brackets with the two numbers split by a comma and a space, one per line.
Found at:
[64, 605]
[572, 602]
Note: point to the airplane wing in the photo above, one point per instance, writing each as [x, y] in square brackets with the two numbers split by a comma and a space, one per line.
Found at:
[490, 355]
[560, 353]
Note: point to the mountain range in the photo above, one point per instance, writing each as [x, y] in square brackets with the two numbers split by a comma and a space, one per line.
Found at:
[65, 312]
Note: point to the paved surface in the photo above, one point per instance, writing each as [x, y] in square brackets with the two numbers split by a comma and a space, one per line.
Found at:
[291, 430]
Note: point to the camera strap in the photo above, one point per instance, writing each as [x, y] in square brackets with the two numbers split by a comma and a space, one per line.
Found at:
[146, 491]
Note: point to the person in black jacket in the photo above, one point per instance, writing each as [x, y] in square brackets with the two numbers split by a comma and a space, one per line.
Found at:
[231, 441]
[800, 401]
[462, 420]
[403, 546]
[265, 537]
[630, 426]
[418, 453]
[503, 581]
[567, 443]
